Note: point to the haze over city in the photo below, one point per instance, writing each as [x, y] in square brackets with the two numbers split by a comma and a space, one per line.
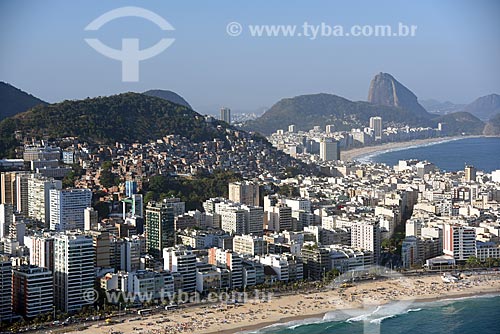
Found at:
[453, 56]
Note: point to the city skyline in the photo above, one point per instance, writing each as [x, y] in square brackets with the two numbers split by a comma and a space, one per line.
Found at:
[156, 198]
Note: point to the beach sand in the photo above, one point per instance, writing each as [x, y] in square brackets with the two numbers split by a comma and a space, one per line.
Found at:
[355, 153]
[224, 319]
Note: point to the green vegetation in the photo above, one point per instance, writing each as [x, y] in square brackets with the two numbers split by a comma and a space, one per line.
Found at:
[291, 172]
[306, 111]
[461, 122]
[8, 142]
[394, 244]
[474, 262]
[102, 209]
[70, 179]
[331, 275]
[288, 190]
[107, 178]
[492, 128]
[194, 191]
[126, 118]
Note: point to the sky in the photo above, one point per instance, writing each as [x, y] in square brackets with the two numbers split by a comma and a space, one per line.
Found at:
[454, 55]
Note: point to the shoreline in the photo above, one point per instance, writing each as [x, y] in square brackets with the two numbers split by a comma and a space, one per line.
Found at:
[257, 313]
[320, 316]
[356, 153]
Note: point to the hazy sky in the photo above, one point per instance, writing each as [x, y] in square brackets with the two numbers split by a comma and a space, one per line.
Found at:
[454, 56]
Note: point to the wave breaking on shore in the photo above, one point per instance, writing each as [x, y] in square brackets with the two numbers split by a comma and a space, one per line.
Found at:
[374, 314]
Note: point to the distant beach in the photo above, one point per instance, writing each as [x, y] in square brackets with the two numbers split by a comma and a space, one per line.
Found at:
[357, 153]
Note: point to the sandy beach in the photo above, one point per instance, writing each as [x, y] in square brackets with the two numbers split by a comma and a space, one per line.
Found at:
[255, 314]
[355, 153]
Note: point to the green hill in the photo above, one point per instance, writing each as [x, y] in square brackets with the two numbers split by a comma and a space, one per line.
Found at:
[461, 122]
[492, 128]
[387, 97]
[128, 117]
[306, 111]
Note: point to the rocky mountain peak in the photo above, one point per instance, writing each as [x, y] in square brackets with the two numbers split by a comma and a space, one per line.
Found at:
[387, 91]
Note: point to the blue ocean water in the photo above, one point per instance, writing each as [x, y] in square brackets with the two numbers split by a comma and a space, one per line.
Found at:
[483, 153]
[453, 316]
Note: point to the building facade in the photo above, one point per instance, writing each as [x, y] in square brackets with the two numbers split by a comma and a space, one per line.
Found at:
[73, 270]
[32, 291]
[160, 232]
[67, 208]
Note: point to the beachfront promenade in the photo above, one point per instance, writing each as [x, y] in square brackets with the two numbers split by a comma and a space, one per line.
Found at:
[315, 303]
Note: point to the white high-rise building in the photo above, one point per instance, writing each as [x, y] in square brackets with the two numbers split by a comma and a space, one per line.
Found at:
[495, 175]
[39, 197]
[73, 270]
[232, 218]
[41, 250]
[131, 254]
[90, 219]
[366, 236]
[376, 126]
[298, 204]
[230, 260]
[329, 149]
[459, 241]
[330, 128]
[279, 218]
[176, 204]
[287, 267]
[239, 218]
[183, 262]
[67, 208]
[244, 192]
[414, 227]
[249, 244]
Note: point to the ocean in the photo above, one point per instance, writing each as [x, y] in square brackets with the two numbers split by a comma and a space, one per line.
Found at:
[477, 314]
[483, 153]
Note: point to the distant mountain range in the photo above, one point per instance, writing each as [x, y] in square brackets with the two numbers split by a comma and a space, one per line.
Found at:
[485, 107]
[134, 117]
[13, 100]
[441, 108]
[387, 98]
